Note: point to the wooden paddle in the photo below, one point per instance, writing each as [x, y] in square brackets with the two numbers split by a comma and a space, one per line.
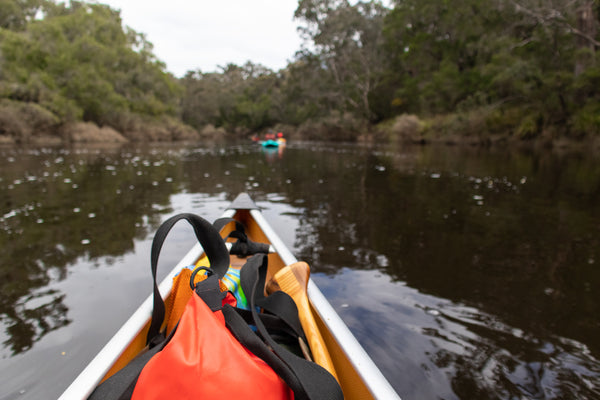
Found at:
[293, 280]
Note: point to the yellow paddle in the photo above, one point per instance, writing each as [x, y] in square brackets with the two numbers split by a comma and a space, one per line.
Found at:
[293, 280]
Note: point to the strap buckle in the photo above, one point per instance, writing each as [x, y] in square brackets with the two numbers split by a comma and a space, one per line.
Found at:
[209, 272]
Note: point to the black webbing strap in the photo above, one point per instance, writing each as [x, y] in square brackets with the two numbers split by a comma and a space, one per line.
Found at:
[281, 305]
[315, 382]
[120, 386]
[213, 246]
[274, 323]
[243, 247]
[210, 292]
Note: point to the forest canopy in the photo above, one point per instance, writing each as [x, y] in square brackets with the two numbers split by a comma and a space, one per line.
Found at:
[466, 69]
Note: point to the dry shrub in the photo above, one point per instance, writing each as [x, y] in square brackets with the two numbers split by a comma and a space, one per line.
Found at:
[86, 132]
[209, 131]
[180, 131]
[407, 127]
[6, 140]
[22, 121]
[335, 127]
[46, 140]
[161, 130]
[476, 127]
[13, 125]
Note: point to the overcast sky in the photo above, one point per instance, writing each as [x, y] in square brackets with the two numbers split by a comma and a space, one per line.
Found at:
[205, 34]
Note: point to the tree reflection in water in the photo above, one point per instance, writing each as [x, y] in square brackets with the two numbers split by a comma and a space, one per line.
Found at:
[61, 205]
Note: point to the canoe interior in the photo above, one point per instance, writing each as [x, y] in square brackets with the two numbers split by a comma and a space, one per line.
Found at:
[351, 382]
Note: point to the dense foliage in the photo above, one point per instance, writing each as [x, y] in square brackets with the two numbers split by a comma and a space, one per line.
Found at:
[520, 68]
[526, 65]
[60, 64]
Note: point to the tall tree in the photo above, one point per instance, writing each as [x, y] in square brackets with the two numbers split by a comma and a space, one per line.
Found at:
[346, 39]
[237, 97]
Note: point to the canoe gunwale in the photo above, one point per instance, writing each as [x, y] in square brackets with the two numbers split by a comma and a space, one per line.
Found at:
[95, 371]
[377, 384]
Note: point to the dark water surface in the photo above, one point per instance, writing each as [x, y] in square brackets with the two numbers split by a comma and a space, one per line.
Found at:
[465, 273]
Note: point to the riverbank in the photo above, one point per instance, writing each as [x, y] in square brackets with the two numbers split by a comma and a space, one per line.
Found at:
[29, 124]
[87, 132]
[477, 130]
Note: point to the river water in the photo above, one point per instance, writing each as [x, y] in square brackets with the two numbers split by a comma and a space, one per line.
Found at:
[465, 273]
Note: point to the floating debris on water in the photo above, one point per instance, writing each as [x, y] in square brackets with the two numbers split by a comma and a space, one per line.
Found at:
[380, 168]
[435, 176]
[9, 214]
[85, 241]
[382, 260]
[433, 311]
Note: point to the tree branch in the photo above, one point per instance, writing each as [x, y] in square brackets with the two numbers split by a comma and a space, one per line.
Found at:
[553, 15]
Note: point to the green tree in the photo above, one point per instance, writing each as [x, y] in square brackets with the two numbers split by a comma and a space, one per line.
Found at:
[79, 63]
[15, 14]
[519, 58]
[346, 41]
[237, 98]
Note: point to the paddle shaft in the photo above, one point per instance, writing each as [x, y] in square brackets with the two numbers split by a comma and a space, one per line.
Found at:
[293, 280]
